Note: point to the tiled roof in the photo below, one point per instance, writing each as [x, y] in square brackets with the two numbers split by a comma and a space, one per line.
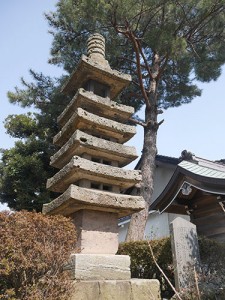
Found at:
[206, 171]
[204, 174]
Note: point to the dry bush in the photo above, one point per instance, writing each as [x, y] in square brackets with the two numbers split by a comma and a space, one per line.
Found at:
[33, 251]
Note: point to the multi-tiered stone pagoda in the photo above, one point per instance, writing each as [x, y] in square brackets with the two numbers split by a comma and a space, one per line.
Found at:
[91, 179]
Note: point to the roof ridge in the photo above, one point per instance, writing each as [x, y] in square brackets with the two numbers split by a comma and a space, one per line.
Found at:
[210, 164]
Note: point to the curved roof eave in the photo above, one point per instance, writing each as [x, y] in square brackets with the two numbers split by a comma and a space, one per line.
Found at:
[196, 176]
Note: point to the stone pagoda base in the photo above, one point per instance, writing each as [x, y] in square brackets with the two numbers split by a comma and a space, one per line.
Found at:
[99, 267]
[108, 277]
[133, 289]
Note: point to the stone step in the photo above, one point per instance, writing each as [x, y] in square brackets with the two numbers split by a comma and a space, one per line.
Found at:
[81, 143]
[79, 168]
[98, 105]
[89, 122]
[76, 198]
[133, 289]
[99, 267]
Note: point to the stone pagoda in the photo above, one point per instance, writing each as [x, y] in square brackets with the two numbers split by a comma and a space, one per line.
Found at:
[91, 179]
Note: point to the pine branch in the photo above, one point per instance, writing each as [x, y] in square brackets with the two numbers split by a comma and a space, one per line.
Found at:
[150, 20]
[212, 12]
[140, 16]
[161, 70]
[143, 124]
[136, 50]
[185, 17]
[160, 123]
[144, 59]
[193, 49]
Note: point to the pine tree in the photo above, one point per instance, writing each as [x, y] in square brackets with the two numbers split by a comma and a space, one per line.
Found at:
[25, 167]
[167, 47]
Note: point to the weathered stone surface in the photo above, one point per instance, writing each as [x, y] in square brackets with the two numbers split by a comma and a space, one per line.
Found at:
[86, 290]
[114, 290]
[76, 198]
[80, 168]
[98, 105]
[145, 289]
[96, 48]
[89, 68]
[81, 143]
[97, 232]
[99, 267]
[185, 250]
[134, 289]
[89, 122]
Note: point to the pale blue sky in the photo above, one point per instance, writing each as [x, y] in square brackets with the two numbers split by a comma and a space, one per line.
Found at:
[25, 43]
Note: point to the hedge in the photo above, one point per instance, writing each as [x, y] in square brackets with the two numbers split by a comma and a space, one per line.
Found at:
[142, 265]
[211, 277]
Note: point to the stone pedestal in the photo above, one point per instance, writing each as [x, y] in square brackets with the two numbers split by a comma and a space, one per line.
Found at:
[99, 267]
[133, 289]
[97, 231]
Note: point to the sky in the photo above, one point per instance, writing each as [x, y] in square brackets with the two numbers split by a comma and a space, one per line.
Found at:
[25, 44]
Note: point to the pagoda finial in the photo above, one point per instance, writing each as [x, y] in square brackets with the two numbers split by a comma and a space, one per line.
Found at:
[96, 47]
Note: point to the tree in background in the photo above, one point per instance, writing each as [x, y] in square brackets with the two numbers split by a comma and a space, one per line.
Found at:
[167, 46]
[33, 252]
[25, 167]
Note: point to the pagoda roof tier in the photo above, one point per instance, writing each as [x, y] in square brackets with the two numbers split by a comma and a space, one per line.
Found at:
[80, 168]
[89, 68]
[98, 105]
[96, 125]
[81, 143]
[76, 198]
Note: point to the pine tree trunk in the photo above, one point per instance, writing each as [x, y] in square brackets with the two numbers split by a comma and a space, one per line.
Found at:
[138, 220]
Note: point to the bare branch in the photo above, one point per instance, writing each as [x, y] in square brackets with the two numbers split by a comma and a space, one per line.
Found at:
[161, 70]
[160, 123]
[193, 49]
[140, 15]
[185, 17]
[149, 21]
[162, 272]
[144, 11]
[136, 83]
[133, 62]
[144, 59]
[137, 54]
[137, 122]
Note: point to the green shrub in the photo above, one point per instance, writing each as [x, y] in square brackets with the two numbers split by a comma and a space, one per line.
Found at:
[142, 264]
[33, 251]
[211, 277]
